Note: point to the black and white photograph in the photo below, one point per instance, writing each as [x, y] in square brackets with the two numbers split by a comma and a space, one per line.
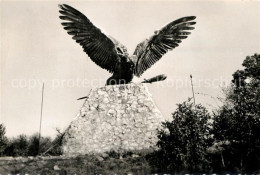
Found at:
[130, 87]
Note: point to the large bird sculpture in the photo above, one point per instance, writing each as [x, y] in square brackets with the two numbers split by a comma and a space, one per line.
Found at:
[109, 54]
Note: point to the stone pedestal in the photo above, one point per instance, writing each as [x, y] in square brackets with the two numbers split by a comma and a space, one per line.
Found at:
[115, 117]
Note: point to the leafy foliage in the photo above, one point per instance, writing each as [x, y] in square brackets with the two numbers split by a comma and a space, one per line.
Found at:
[3, 139]
[184, 140]
[238, 120]
[56, 148]
[23, 145]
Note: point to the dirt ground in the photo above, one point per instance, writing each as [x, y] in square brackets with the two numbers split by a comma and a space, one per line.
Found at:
[73, 165]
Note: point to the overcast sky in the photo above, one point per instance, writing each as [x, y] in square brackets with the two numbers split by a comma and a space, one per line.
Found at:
[36, 49]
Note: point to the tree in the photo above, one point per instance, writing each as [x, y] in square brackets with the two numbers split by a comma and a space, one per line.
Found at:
[183, 141]
[3, 139]
[238, 120]
[56, 148]
[34, 149]
[23, 145]
[20, 145]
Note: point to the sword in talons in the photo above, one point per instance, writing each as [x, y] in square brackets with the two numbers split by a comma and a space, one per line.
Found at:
[82, 98]
[155, 79]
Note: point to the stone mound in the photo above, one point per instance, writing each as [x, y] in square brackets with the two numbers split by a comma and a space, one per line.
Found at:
[115, 117]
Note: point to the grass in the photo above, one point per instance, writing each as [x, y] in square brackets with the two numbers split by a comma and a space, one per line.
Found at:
[88, 164]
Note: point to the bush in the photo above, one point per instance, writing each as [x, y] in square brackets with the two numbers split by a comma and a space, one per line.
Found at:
[34, 149]
[3, 139]
[56, 146]
[238, 121]
[183, 142]
[23, 145]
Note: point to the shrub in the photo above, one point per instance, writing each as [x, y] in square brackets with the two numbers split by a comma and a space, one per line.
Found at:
[3, 139]
[183, 142]
[238, 121]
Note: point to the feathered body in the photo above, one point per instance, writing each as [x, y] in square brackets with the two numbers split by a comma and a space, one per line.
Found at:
[123, 72]
[111, 55]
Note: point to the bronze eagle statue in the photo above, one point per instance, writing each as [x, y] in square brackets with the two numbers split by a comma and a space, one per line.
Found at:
[109, 54]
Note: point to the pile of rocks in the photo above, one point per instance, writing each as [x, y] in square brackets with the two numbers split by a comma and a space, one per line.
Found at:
[117, 117]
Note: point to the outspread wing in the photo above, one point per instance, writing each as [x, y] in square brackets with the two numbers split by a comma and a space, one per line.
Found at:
[97, 45]
[151, 50]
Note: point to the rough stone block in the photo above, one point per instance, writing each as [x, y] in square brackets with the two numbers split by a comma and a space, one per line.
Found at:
[115, 117]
